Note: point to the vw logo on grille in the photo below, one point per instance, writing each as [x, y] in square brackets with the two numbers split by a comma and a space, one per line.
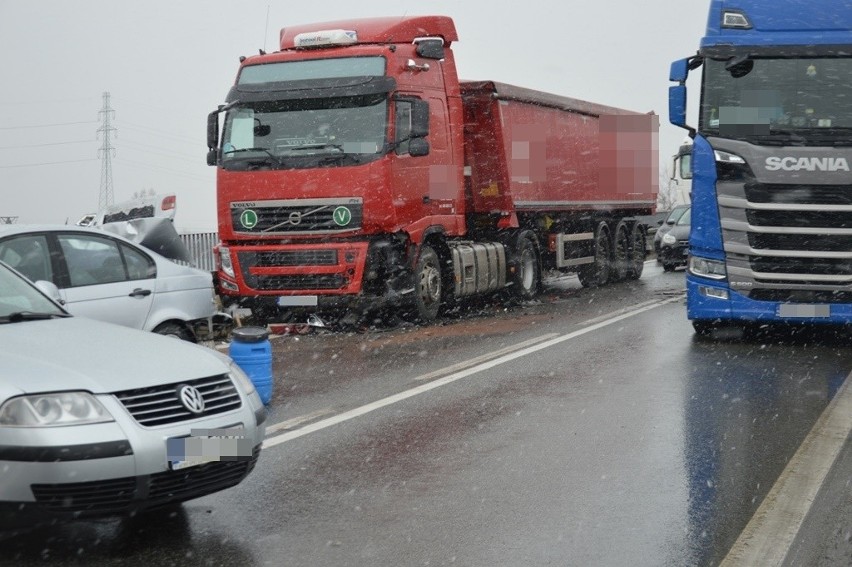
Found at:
[191, 398]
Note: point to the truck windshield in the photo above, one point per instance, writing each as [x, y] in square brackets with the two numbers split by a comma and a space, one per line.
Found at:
[305, 132]
[804, 99]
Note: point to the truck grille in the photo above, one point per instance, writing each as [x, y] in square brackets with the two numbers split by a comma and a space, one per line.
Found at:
[122, 495]
[302, 282]
[161, 405]
[296, 258]
[297, 216]
[779, 247]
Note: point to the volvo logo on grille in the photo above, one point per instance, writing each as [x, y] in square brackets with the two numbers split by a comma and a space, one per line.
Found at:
[191, 399]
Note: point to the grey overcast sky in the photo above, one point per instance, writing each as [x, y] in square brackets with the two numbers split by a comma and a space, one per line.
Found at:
[167, 64]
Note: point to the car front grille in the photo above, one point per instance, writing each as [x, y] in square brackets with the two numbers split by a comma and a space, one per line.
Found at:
[161, 405]
[123, 495]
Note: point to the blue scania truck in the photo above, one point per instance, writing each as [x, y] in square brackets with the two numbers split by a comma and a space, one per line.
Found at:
[771, 237]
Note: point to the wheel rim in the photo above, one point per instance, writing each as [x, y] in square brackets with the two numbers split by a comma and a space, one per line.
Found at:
[527, 270]
[430, 284]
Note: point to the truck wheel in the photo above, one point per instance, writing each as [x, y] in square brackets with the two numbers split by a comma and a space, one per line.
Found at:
[527, 275]
[620, 253]
[427, 281]
[597, 273]
[637, 252]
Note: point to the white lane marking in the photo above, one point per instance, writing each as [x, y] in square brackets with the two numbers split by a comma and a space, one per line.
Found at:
[620, 311]
[767, 538]
[485, 357]
[352, 414]
[291, 423]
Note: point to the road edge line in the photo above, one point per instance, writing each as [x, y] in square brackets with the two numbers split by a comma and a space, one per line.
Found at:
[769, 535]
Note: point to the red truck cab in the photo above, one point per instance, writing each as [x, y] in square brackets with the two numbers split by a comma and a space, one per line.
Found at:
[346, 168]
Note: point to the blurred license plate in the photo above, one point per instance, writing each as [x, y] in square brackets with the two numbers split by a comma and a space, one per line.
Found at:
[207, 446]
[803, 310]
[297, 301]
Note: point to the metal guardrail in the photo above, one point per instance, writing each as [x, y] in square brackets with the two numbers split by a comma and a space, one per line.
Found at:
[200, 246]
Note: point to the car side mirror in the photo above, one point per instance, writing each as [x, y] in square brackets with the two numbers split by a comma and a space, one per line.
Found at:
[50, 290]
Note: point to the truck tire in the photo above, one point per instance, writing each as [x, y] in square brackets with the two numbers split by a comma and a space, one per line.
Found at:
[427, 285]
[527, 274]
[620, 253]
[597, 273]
[637, 252]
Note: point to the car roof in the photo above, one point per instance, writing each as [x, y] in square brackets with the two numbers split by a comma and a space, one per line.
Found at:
[13, 229]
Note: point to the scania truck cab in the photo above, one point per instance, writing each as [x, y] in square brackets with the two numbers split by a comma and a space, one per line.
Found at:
[771, 237]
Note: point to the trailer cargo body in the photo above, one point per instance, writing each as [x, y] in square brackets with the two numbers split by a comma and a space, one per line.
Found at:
[357, 173]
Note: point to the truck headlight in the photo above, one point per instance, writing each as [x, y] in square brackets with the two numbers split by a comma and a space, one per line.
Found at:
[713, 269]
[225, 262]
[53, 410]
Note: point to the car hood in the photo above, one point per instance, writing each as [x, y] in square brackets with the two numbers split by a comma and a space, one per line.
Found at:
[75, 353]
[680, 231]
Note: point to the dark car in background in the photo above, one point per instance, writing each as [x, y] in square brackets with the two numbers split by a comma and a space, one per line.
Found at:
[666, 225]
[674, 245]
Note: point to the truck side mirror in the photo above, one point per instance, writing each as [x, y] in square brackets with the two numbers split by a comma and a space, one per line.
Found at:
[212, 156]
[679, 71]
[677, 105]
[418, 147]
[212, 131]
[419, 119]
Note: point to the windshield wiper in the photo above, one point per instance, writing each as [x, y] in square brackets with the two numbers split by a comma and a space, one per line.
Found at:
[272, 156]
[316, 146]
[19, 316]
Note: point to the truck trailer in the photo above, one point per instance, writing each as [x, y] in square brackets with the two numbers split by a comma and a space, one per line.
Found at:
[771, 238]
[357, 173]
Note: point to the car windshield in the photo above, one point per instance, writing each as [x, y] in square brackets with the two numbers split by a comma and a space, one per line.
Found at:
[675, 215]
[17, 295]
[684, 218]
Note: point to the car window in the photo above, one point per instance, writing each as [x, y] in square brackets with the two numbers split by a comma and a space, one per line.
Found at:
[92, 259]
[29, 254]
[139, 265]
[675, 215]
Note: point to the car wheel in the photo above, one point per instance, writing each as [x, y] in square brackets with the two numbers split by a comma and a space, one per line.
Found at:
[175, 330]
[668, 267]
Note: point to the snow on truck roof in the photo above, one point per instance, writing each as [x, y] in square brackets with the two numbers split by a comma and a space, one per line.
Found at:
[503, 91]
[403, 29]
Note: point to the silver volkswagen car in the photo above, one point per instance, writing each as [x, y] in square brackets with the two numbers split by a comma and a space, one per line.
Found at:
[98, 419]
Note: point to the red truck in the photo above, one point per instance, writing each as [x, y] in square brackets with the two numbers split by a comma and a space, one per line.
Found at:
[356, 172]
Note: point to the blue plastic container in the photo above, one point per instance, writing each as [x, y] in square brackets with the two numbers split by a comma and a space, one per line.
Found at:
[252, 352]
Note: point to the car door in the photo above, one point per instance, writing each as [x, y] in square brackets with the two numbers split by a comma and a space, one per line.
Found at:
[107, 280]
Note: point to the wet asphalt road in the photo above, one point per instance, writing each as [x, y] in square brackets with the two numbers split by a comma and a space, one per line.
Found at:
[594, 442]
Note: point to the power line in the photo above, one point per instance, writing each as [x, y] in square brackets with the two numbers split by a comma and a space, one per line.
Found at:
[47, 125]
[44, 145]
[45, 163]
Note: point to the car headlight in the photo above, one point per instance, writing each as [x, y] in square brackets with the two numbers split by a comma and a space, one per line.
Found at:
[53, 410]
[706, 268]
[240, 376]
[669, 239]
